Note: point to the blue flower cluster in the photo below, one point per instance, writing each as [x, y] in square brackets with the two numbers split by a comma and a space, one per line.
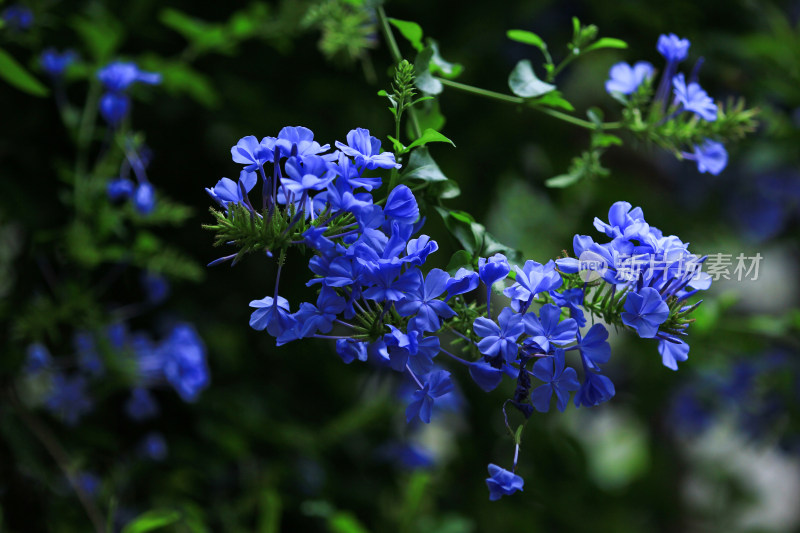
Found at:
[141, 192]
[116, 78]
[625, 79]
[178, 360]
[17, 17]
[378, 303]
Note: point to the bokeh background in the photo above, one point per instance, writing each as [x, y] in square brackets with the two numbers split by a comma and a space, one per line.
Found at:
[291, 439]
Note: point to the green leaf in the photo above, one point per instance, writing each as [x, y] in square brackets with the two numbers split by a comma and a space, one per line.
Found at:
[421, 166]
[16, 75]
[604, 140]
[345, 522]
[152, 520]
[563, 180]
[460, 259]
[439, 66]
[527, 37]
[102, 35]
[201, 34]
[606, 42]
[428, 116]
[411, 31]
[180, 78]
[553, 99]
[425, 81]
[429, 136]
[473, 236]
[523, 81]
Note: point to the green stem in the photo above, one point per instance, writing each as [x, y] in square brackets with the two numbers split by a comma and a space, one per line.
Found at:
[397, 57]
[518, 100]
[482, 92]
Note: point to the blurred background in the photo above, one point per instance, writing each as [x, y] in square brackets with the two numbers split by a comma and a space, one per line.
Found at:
[291, 439]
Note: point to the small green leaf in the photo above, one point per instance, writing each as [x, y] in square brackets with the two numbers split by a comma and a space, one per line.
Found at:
[595, 115]
[152, 520]
[425, 81]
[553, 99]
[606, 42]
[101, 36]
[439, 66]
[345, 522]
[526, 37]
[421, 166]
[518, 435]
[429, 136]
[523, 81]
[563, 180]
[411, 31]
[460, 259]
[604, 140]
[16, 75]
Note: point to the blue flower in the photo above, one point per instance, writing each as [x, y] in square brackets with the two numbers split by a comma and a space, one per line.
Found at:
[37, 358]
[464, 281]
[227, 190]
[710, 156]
[156, 287]
[55, 63]
[533, 278]
[68, 399]
[301, 140]
[437, 384]
[18, 17]
[311, 319]
[418, 250]
[312, 173]
[249, 152]
[572, 299]
[693, 98]
[501, 482]
[401, 205]
[88, 482]
[141, 405]
[154, 446]
[185, 362]
[557, 379]
[493, 269]
[116, 77]
[351, 175]
[548, 327]
[500, 339]
[120, 188]
[595, 389]
[485, 375]
[114, 107]
[350, 350]
[366, 150]
[673, 48]
[386, 285]
[626, 79]
[672, 353]
[645, 311]
[144, 199]
[411, 349]
[272, 315]
[594, 346]
[88, 359]
[423, 303]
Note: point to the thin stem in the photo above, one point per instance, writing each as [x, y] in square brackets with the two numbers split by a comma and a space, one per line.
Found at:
[457, 358]
[57, 452]
[414, 377]
[518, 100]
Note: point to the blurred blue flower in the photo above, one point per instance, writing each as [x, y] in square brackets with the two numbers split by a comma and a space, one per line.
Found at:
[558, 380]
[501, 482]
[185, 362]
[693, 98]
[37, 358]
[68, 399]
[626, 79]
[436, 384]
[55, 63]
[141, 405]
[154, 446]
[710, 156]
[18, 17]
